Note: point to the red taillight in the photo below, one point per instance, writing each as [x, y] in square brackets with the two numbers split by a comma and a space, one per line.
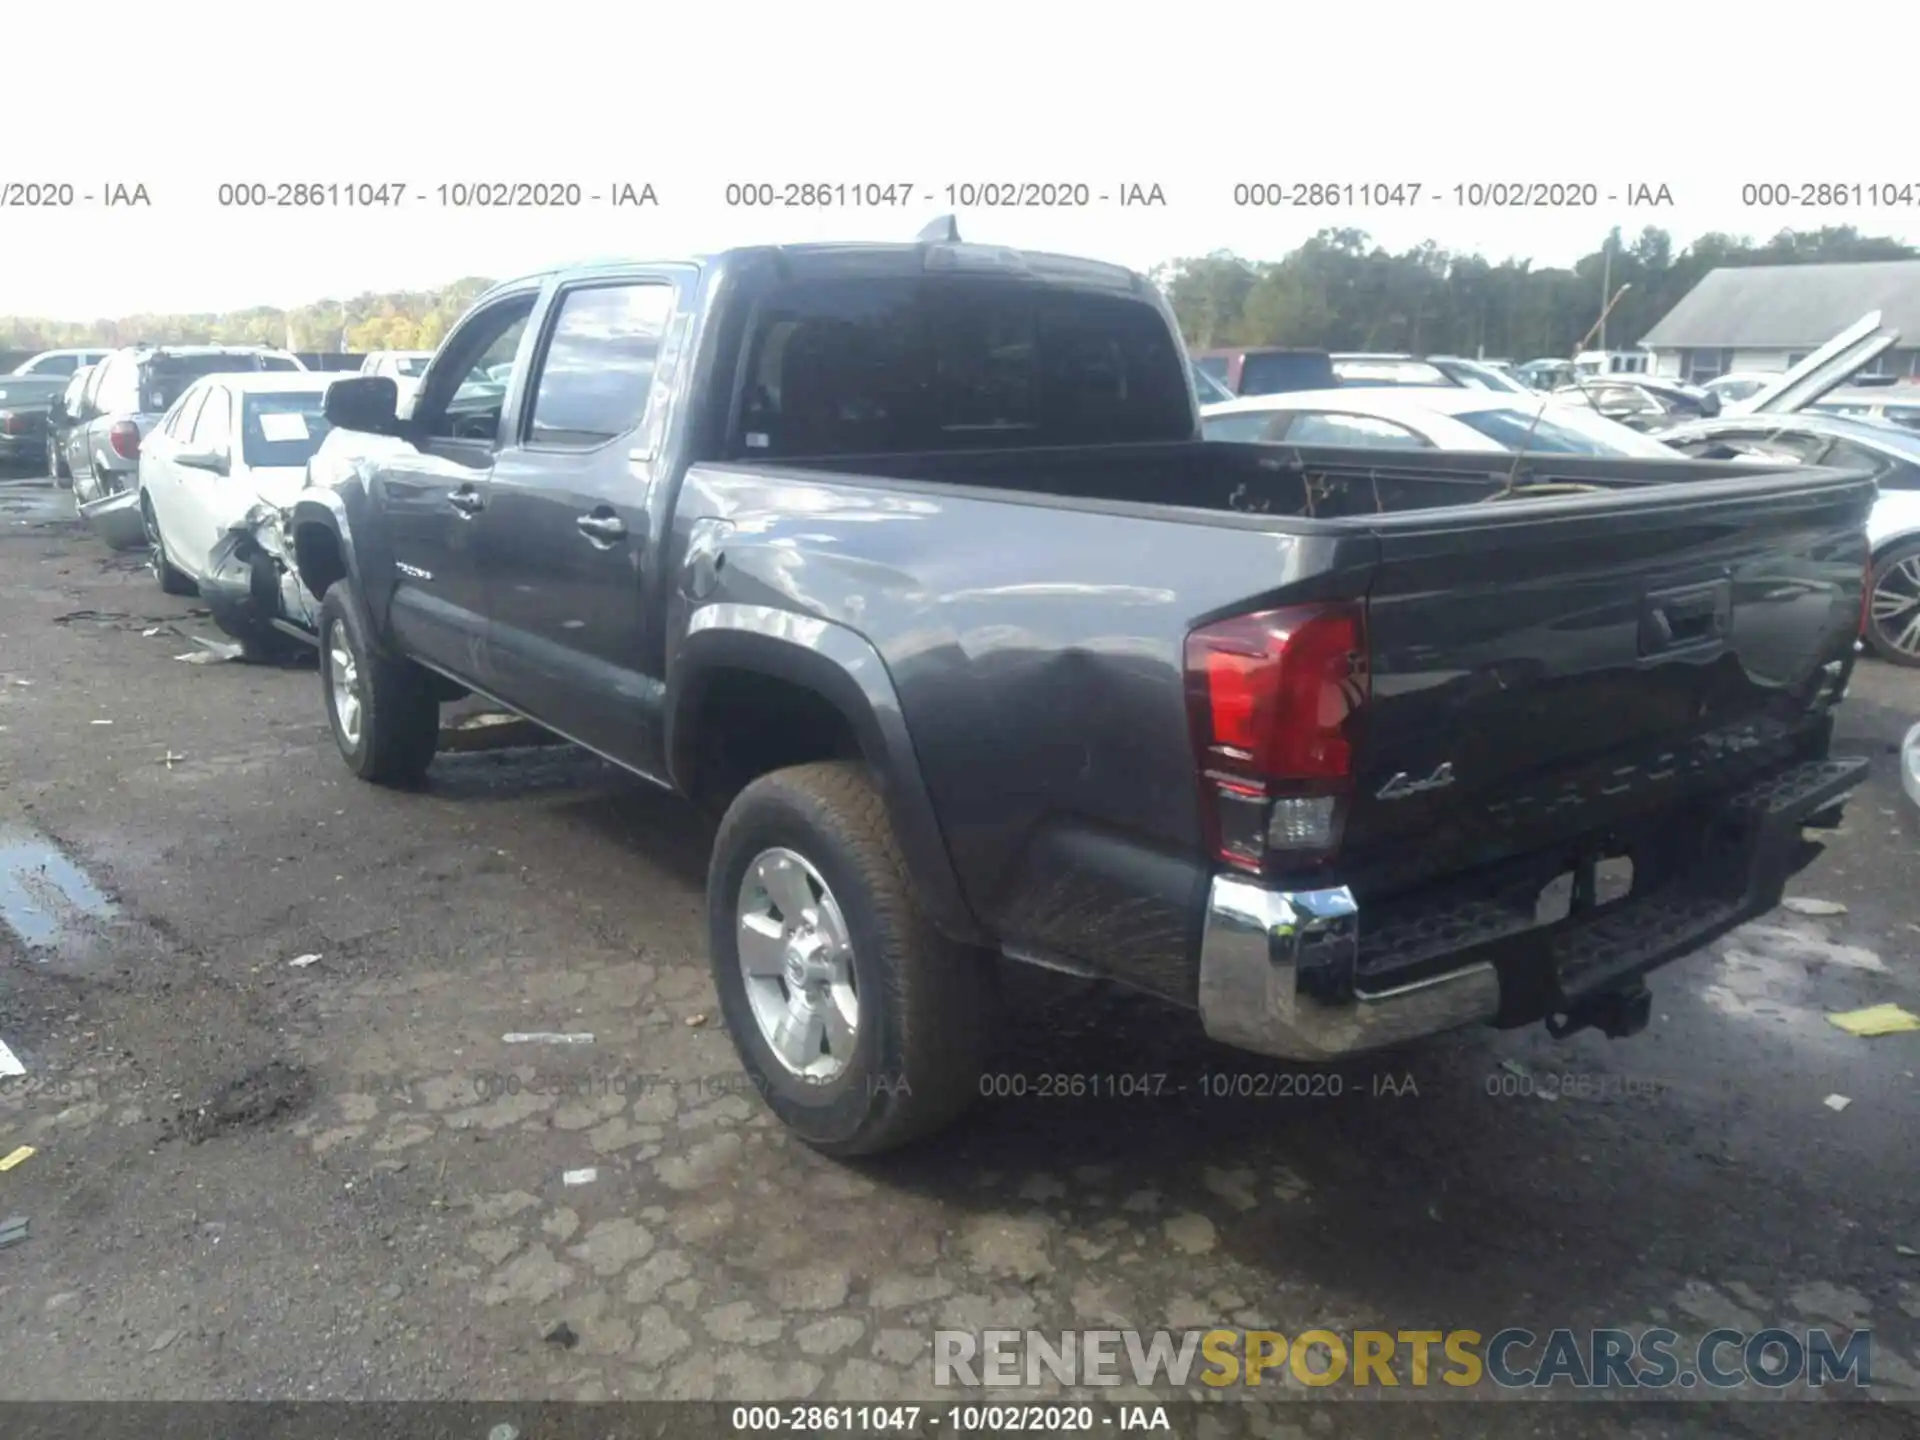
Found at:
[1275, 700]
[11, 424]
[124, 437]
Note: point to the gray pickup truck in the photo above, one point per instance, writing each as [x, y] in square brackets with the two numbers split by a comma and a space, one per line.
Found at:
[908, 561]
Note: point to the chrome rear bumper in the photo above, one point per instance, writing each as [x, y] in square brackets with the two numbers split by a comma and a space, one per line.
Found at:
[1262, 952]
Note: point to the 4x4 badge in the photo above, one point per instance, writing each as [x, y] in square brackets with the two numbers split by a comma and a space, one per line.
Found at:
[1403, 784]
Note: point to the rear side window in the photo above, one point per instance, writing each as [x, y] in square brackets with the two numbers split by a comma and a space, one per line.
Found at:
[945, 363]
[598, 368]
[1320, 427]
[1276, 372]
[1248, 425]
[119, 389]
[166, 377]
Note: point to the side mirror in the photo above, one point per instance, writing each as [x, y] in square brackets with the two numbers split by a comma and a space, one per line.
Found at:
[215, 461]
[368, 403]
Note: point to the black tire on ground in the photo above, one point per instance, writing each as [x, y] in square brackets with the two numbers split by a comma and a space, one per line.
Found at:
[172, 580]
[398, 723]
[1896, 570]
[925, 1003]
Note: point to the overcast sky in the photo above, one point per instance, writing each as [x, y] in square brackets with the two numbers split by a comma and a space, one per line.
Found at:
[1191, 100]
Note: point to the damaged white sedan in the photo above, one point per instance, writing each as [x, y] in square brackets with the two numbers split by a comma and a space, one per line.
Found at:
[216, 477]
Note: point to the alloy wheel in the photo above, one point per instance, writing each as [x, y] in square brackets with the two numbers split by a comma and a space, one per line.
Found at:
[796, 960]
[1896, 605]
[343, 684]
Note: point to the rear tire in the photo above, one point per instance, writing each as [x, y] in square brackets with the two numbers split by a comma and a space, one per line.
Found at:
[923, 1005]
[172, 580]
[381, 708]
[1893, 609]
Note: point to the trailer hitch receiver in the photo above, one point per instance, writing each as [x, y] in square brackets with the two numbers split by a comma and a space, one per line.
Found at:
[1616, 1014]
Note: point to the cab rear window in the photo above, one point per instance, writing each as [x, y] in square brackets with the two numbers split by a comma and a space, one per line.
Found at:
[945, 363]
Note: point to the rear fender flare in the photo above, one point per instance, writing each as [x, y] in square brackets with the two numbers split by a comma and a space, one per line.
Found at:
[843, 669]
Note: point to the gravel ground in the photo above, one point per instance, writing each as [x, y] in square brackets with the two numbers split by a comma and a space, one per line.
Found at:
[260, 1179]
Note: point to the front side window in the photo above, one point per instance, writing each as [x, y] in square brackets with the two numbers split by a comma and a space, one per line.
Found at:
[949, 363]
[1321, 427]
[486, 338]
[1245, 426]
[598, 368]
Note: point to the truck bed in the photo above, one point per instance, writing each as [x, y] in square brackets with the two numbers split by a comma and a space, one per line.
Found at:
[1301, 482]
[1578, 665]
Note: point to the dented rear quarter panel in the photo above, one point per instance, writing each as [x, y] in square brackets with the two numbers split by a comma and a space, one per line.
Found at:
[1036, 650]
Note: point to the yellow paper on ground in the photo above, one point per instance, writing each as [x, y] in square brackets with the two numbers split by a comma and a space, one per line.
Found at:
[25, 1152]
[1877, 1020]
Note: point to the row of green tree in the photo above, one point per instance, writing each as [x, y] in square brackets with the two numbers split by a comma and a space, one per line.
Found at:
[1337, 291]
[1340, 291]
[397, 320]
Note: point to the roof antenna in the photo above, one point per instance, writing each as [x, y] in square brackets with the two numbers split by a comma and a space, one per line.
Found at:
[944, 231]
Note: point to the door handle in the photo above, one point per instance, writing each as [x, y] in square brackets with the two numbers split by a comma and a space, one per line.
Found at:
[1686, 619]
[601, 528]
[467, 500]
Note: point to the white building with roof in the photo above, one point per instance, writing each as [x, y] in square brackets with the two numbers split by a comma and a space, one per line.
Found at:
[1770, 317]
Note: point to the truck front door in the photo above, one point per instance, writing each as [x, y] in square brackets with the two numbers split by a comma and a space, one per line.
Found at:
[565, 539]
[433, 489]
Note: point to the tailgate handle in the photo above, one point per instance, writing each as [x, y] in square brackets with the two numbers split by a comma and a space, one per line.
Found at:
[1687, 618]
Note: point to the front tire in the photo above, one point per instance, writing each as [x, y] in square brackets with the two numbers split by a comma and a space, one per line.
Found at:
[173, 580]
[381, 708]
[1893, 609]
[862, 1027]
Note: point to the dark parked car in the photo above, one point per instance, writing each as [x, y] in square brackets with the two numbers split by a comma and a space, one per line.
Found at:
[23, 418]
[1267, 370]
[909, 563]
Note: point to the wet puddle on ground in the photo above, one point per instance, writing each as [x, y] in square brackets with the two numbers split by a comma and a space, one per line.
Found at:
[45, 898]
[33, 502]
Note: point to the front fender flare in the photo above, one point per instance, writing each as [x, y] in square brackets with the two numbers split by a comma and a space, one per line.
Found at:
[841, 667]
[326, 510]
